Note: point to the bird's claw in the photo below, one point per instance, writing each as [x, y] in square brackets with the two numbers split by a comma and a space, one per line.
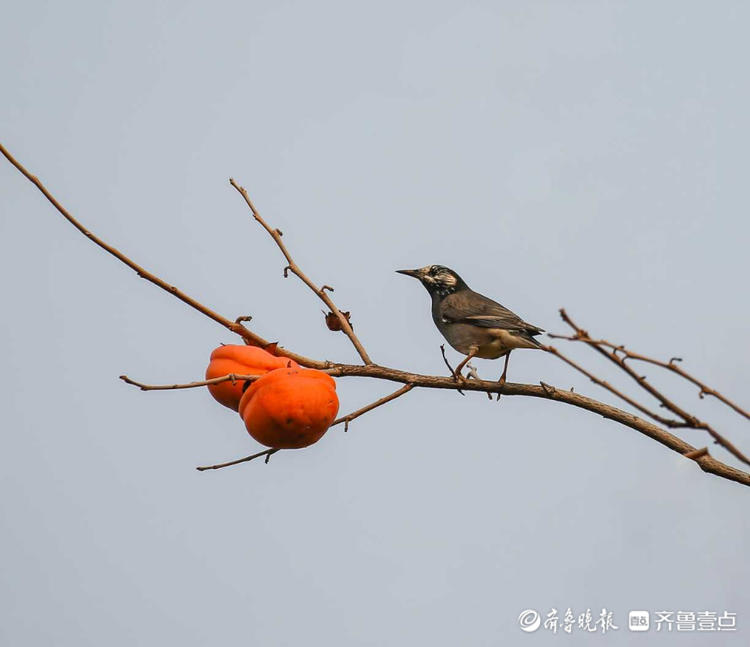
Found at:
[501, 384]
[459, 379]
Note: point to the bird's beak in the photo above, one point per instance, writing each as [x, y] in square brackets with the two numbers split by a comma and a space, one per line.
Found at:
[415, 273]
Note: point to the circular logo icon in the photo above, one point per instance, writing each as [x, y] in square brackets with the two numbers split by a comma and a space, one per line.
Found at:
[529, 620]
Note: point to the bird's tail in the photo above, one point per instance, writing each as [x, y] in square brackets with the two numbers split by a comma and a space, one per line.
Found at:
[528, 336]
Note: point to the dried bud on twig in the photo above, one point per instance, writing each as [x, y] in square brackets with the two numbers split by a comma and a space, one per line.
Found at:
[333, 322]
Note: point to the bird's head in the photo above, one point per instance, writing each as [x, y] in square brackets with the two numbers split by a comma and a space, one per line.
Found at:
[438, 279]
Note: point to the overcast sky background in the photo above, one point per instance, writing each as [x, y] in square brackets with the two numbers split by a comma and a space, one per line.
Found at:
[586, 155]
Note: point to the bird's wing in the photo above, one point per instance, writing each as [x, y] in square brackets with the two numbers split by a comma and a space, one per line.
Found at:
[478, 310]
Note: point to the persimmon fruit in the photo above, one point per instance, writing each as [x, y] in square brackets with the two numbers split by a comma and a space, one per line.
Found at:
[240, 360]
[289, 408]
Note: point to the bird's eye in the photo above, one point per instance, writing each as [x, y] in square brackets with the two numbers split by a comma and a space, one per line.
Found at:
[434, 270]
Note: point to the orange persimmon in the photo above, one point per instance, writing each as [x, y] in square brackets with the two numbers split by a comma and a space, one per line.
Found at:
[240, 360]
[289, 408]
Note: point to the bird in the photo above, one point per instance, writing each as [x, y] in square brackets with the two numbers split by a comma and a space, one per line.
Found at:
[472, 323]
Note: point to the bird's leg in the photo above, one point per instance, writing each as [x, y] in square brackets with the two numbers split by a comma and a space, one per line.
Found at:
[457, 373]
[505, 372]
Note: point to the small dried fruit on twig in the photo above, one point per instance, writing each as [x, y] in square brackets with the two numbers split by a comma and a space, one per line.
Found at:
[333, 323]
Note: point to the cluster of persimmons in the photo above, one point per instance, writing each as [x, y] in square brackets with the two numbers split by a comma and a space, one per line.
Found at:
[287, 407]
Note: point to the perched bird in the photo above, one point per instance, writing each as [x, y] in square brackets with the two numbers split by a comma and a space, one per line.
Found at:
[473, 324]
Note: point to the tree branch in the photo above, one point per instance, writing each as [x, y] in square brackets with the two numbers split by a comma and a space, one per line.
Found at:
[604, 384]
[544, 391]
[267, 453]
[373, 405]
[690, 420]
[190, 385]
[294, 269]
[345, 419]
[235, 327]
[671, 365]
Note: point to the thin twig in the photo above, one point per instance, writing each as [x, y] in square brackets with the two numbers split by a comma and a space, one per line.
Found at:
[345, 419]
[704, 389]
[267, 453]
[456, 378]
[604, 384]
[640, 379]
[690, 420]
[235, 327]
[294, 268]
[696, 453]
[190, 385]
[231, 377]
[671, 365]
[356, 414]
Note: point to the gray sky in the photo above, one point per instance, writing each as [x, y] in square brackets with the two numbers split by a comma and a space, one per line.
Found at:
[586, 155]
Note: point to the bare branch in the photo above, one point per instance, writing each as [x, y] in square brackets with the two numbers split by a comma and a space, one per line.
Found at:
[544, 391]
[547, 392]
[696, 453]
[235, 327]
[345, 419]
[604, 384]
[671, 365]
[690, 420]
[294, 268]
[267, 453]
[190, 385]
[356, 414]
[707, 463]
[456, 378]
[704, 390]
[640, 379]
